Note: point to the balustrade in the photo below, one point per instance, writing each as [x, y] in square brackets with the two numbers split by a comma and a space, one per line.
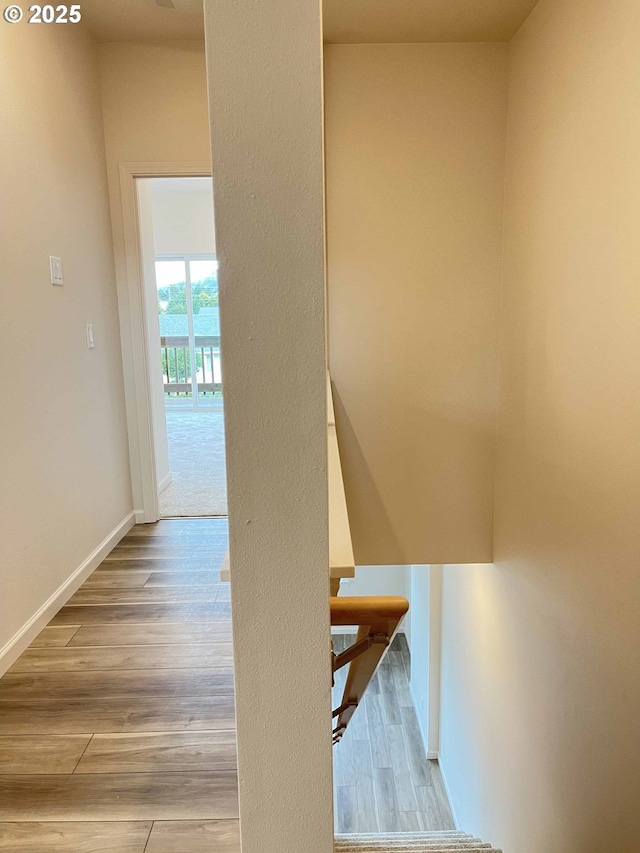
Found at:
[177, 367]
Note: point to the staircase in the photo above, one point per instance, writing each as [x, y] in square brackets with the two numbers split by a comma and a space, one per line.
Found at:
[412, 842]
[377, 620]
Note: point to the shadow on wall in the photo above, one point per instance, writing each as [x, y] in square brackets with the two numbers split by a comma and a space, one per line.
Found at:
[428, 499]
[537, 645]
[364, 504]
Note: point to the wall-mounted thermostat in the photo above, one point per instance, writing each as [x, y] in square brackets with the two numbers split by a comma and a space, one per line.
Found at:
[55, 265]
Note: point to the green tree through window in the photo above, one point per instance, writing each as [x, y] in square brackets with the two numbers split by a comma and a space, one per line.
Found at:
[204, 294]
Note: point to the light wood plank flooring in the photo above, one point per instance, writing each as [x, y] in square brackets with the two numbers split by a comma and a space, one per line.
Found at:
[383, 781]
[117, 724]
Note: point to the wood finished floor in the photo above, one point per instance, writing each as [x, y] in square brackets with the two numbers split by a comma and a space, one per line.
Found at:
[117, 723]
[383, 781]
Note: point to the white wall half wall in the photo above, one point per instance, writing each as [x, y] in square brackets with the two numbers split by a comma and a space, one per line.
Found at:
[66, 494]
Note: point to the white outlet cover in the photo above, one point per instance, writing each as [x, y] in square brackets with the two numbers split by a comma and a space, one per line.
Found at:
[55, 267]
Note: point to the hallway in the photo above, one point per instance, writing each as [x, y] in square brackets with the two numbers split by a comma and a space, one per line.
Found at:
[117, 727]
[117, 724]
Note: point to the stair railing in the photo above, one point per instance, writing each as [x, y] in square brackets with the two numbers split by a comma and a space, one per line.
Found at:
[377, 619]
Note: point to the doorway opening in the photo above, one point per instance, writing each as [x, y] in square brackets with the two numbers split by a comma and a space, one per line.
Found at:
[181, 289]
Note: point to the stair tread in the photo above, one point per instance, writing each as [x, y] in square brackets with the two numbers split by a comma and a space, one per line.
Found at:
[447, 841]
[445, 847]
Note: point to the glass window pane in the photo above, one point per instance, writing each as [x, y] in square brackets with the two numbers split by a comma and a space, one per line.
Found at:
[172, 289]
[174, 326]
[204, 293]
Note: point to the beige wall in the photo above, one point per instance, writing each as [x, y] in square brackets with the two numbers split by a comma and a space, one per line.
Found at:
[154, 99]
[266, 139]
[540, 685]
[415, 167]
[154, 102]
[65, 477]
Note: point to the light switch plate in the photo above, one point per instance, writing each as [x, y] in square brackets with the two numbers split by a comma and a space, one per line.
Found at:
[55, 265]
[90, 341]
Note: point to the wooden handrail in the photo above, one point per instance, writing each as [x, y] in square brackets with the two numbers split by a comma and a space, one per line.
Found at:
[364, 610]
[378, 619]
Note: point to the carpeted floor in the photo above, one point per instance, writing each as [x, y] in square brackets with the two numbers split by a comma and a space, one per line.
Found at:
[197, 463]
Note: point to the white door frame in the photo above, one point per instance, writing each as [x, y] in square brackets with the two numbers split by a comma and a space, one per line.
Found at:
[134, 335]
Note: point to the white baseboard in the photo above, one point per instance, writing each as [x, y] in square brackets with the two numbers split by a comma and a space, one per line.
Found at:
[448, 793]
[423, 734]
[12, 650]
[165, 482]
[434, 756]
[139, 516]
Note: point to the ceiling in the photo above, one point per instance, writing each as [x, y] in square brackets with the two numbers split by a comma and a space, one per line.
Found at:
[345, 21]
[140, 20]
[383, 21]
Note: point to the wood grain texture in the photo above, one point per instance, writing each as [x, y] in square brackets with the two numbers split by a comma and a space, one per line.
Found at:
[384, 785]
[131, 714]
[429, 808]
[122, 710]
[184, 550]
[420, 770]
[204, 611]
[119, 579]
[160, 564]
[41, 753]
[405, 790]
[443, 801]
[174, 633]
[102, 684]
[75, 837]
[120, 796]
[202, 578]
[79, 658]
[161, 751]
[118, 721]
[144, 595]
[378, 731]
[131, 551]
[52, 637]
[383, 781]
[205, 836]
[366, 811]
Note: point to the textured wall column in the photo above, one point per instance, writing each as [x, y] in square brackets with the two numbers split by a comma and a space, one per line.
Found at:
[265, 90]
